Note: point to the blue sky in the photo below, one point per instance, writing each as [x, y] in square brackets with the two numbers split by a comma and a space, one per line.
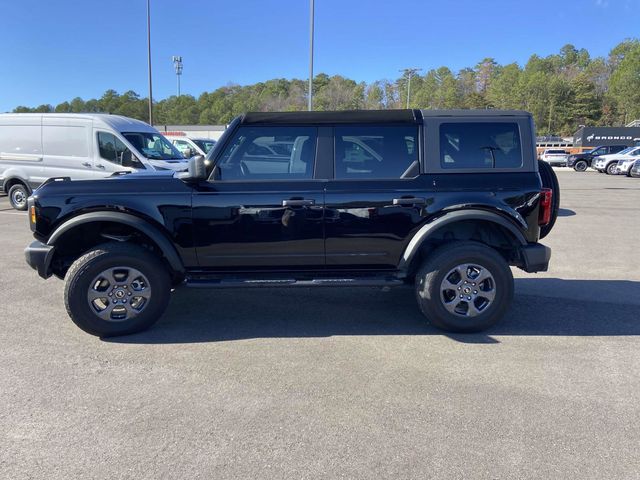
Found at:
[56, 50]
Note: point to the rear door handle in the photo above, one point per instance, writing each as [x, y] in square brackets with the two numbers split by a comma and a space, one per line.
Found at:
[298, 202]
[409, 201]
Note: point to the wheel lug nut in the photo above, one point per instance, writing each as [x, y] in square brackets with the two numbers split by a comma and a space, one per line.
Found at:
[468, 298]
[111, 294]
[475, 292]
[461, 296]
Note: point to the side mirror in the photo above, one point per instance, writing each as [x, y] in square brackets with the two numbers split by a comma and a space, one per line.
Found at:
[188, 152]
[197, 169]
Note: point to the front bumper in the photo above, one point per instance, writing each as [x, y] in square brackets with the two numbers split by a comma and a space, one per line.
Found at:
[535, 257]
[38, 255]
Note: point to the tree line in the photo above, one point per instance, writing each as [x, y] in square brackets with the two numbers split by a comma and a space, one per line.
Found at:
[562, 91]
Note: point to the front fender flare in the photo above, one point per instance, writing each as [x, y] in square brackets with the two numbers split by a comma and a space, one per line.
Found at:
[427, 230]
[160, 239]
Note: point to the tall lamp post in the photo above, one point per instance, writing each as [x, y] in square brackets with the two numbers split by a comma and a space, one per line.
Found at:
[409, 72]
[177, 64]
[149, 61]
[310, 100]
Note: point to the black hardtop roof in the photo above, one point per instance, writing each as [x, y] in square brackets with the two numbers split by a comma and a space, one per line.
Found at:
[367, 116]
[332, 117]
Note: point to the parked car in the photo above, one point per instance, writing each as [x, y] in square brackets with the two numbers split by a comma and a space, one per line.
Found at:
[609, 163]
[34, 147]
[448, 202]
[554, 157]
[624, 166]
[190, 146]
[581, 161]
[635, 169]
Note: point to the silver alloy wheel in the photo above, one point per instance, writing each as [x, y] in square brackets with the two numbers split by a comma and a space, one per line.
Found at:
[19, 198]
[119, 294]
[468, 290]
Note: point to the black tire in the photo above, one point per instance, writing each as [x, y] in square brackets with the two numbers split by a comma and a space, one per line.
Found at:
[580, 166]
[18, 195]
[550, 180]
[78, 286]
[611, 168]
[439, 264]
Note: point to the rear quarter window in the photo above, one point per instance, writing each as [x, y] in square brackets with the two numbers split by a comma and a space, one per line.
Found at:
[482, 145]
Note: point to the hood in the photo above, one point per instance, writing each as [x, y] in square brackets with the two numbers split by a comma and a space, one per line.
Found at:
[173, 165]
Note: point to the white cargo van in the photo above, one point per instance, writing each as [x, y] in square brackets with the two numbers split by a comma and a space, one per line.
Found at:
[37, 146]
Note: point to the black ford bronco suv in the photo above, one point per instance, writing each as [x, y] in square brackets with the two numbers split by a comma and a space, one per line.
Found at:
[442, 200]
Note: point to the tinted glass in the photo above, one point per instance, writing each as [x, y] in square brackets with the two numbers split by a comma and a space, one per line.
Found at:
[114, 151]
[263, 153]
[480, 145]
[376, 152]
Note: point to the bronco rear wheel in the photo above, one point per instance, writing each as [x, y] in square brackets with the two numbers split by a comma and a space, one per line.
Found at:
[116, 289]
[464, 287]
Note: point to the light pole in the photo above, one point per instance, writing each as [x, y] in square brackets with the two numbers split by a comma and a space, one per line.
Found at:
[177, 64]
[310, 100]
[149, 61]
[409, 72]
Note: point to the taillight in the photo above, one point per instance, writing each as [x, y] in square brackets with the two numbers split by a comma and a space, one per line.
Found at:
[544, 215]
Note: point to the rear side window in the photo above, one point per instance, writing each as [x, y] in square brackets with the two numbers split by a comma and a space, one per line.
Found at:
[269, 153]
[480, 145]
[376, 152]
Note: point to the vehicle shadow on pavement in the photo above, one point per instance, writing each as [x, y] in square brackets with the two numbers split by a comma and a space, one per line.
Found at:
[565, 212]
[542, 306]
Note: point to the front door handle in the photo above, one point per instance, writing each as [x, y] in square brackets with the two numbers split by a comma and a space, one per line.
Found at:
[298, 202]
[409, 201]
[86, 164]
[100, 166]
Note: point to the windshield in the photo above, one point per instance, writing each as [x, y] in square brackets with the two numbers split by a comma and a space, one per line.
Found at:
[205, 145]
[626, 150]
[153, 146]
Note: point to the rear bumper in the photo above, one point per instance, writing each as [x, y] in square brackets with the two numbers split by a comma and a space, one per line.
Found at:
[38, 255]
[535, 257]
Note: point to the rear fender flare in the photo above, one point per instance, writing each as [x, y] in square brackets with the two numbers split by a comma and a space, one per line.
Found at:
[429, 229]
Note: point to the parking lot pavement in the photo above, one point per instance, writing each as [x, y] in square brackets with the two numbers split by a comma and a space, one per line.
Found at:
[339, 383]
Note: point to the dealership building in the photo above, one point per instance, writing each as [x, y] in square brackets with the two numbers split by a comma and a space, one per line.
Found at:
[595, 136]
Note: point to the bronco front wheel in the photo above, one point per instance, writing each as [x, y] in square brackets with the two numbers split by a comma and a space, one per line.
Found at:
[116, 289]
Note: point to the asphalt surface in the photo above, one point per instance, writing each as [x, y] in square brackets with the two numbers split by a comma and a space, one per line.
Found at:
[337, 383]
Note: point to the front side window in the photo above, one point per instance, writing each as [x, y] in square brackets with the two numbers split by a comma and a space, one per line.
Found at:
[480, 145]
[382, 152]
[269, 153]
[205, 145]
[113, 150]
